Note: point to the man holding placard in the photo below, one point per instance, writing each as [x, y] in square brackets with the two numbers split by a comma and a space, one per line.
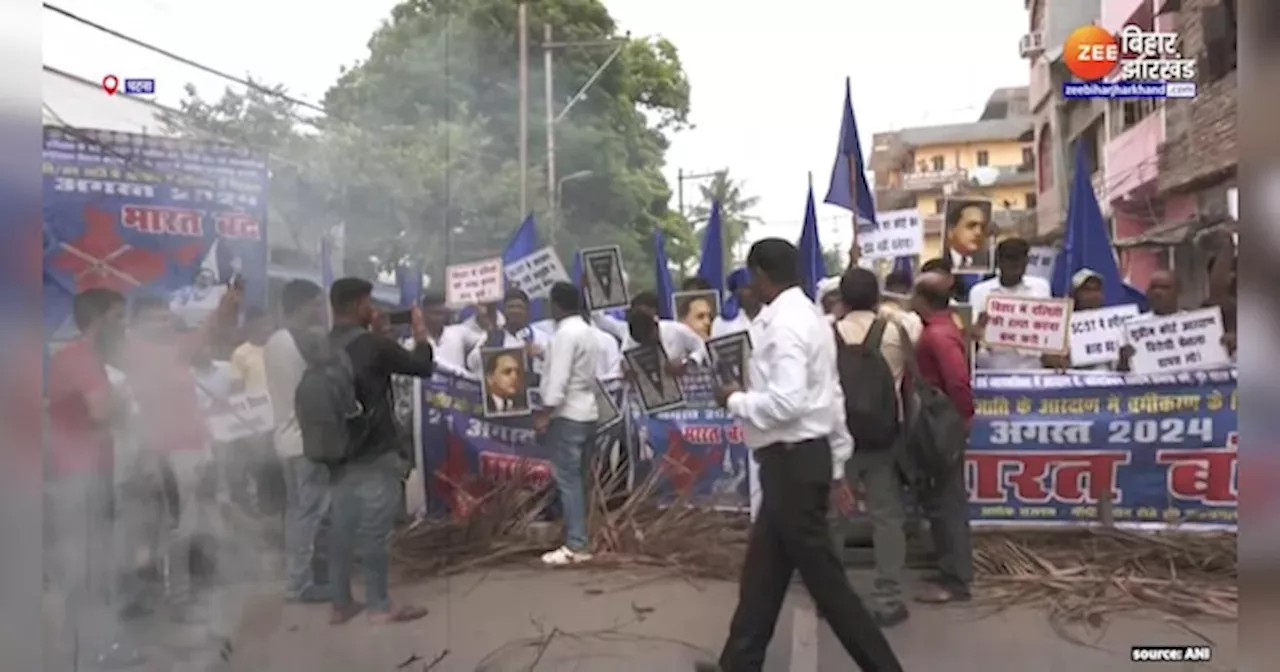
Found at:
[515, 332]
[1097, 332]
[1167, 339]
[1011, 280]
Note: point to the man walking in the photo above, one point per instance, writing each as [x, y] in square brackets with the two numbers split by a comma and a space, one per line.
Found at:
[793, 419]
[366, 488]
[940, 356]
[568, 417]
[306, 483]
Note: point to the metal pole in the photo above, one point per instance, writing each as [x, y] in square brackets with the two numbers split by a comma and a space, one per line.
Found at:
[855, 252]
[522, 29]
[552, 198]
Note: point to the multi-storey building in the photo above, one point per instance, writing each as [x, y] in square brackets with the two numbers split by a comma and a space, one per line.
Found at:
[921, 167]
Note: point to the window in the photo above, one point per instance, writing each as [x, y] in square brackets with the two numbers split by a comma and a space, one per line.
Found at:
[939, 204]
[939, 164]
[1128, 113]
[983, 157]
[1030, 199]
[1028, 158]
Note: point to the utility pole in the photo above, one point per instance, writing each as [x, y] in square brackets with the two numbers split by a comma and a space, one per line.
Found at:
[522, 29]
[682, 177]
[549, 76]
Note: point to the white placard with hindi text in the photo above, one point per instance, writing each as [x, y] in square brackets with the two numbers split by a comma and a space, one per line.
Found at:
[1023, 323]
[1096, 335]
[1040, 262]
[1187, 340]
[475, 283]
[240, 416]
[900, 234]
[536, 273]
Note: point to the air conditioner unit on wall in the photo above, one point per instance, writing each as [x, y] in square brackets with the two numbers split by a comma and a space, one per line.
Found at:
[1031, 45]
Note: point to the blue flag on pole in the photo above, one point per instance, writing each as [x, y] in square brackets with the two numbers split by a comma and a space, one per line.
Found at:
[662, 274]
[409, 280]
[522, 243]
[849, 153]
[711, 268]
[812, 267]
[1086, 243]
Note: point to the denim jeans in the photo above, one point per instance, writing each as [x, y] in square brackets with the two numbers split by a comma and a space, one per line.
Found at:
[569, 444]
[366, 500]
[306, 486]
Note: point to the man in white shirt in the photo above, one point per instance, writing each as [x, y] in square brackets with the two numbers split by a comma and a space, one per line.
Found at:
[515, 332]
[1011, 280]
[567, 420]
[739, 284]
[306, 482]
[683, 345]
[793, 417]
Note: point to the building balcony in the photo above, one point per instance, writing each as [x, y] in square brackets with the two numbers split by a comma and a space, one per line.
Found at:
[1133, 157]
[932, 180]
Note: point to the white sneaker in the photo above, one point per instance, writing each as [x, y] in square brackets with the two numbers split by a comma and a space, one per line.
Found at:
[564, 556]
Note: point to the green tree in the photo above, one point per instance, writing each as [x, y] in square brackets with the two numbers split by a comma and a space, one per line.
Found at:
[835, 260]
[735, 212]
[418, 154]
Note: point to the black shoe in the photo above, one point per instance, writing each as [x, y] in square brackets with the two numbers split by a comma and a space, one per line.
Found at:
[891, 614]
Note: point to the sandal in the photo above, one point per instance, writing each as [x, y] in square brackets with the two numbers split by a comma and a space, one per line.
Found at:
[339, 615]
[403, 614]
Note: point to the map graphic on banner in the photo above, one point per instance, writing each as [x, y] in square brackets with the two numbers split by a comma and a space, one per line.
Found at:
[142, 214]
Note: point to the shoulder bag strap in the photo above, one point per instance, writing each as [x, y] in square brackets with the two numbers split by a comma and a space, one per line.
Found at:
[875, 334]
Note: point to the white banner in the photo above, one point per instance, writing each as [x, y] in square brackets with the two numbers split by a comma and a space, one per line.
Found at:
[239, 417]
[1040, 262]
[1096, 335]
[1188, 340]
[471, 284]
[536, 273]
[1026, 324]
[900, 234]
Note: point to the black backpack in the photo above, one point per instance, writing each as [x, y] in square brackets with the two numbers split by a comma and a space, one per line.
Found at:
[870, 395]
[330, 416]
[935, 434]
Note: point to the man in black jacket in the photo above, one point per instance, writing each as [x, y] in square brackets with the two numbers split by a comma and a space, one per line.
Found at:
[366, 493]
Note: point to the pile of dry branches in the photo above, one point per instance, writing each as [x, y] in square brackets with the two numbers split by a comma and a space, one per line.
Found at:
[1081, 576]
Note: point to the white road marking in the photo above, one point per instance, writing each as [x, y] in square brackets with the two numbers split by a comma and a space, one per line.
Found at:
[804, 639]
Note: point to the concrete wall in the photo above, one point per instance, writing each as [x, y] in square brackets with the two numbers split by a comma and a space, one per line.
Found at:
[1131, 157]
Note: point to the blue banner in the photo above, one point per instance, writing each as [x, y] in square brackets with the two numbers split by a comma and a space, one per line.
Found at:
[143, 214]
[1045, 448]
[1050, 447]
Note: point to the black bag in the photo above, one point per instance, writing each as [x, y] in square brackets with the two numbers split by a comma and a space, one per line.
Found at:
[330, 416]
[870, 394]
[935, 435]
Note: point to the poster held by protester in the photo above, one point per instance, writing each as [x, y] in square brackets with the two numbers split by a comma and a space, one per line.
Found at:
[659, 390]
[1096, 335]
[1040, 262]
[696, 309]
[536, 273]
[473, 284]
[120, 213]
[607, 407]
[729, 355]
[1186, 340]
[240, 416]
[1026, 324]
[900, 234]
[606, 286]
[504, 382]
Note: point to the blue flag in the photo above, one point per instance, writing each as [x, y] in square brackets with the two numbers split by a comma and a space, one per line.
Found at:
[1086, 243]
[662, 274]
[842, 189]
[738, 279]
[903, 265]
[409, 280]
[711, 268]
[812, 266]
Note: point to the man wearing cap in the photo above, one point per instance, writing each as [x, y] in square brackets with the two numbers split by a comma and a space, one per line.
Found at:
[1086, 294]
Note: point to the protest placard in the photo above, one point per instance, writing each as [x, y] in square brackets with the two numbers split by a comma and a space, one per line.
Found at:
[536, 273]
[659, 390]
[1027, 324]
[1189, 340]
[240, 416]
[1096, 335]
[1040, 262]
[900, 234]
[470, 284]
[729, 356]
[606, 284]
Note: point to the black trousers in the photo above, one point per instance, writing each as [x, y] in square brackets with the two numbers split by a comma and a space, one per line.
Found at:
[791, 533]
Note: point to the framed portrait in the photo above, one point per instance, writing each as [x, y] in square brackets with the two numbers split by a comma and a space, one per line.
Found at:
[610, 415]
[968, 235]
[729, 355]
[504, 382]
[659, 390]
[606, 283]
[696, 309]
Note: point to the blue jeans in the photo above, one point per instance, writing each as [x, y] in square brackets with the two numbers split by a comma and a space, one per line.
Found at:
[366, 499]
[568, 443]
[306, 485]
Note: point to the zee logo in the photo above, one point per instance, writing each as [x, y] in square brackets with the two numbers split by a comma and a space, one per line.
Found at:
[139, 87]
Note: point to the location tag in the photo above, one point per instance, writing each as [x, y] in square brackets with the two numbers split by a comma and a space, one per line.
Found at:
[110, 84]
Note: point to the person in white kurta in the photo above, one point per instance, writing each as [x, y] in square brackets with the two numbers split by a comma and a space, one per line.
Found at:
[515, 332]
